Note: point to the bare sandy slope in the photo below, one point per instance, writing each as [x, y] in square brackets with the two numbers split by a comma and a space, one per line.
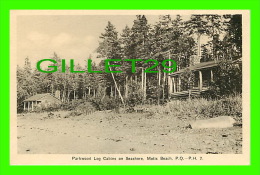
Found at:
[111, 133]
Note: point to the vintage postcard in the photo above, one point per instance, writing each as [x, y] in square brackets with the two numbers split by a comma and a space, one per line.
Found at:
[130, 87]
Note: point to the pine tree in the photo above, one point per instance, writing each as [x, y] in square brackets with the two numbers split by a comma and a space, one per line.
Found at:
[109, 48]
[197, 25]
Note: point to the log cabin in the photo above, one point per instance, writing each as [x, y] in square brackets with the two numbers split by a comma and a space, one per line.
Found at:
[203, 76]
[39, 99]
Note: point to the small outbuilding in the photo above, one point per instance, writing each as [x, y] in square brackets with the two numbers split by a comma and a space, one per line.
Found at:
[40, 99]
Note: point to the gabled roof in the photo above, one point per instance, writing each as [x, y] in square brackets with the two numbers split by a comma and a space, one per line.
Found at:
[203, 65]
[37, 97]
[199, 66]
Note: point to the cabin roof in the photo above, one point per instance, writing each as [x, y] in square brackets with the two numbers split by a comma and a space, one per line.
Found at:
[203, 65]
[37, 97]
[199, 66]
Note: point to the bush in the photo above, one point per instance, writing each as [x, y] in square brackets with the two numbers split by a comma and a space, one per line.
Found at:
[85, 108]
[71, 105]
[47, 108]
[228, 79]
[106, 103]
[135, 94]
[97, 103]
[201, 107]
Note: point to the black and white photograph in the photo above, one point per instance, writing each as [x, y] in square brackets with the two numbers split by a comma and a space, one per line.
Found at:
[124, 87]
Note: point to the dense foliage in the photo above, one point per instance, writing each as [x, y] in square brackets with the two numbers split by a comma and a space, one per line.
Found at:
[168, 39]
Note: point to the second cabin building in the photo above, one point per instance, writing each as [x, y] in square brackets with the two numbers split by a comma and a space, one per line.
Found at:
[203, 76]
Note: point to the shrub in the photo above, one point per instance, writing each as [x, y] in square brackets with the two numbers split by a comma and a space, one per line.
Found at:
[201, 107]
[71, 105]
[135, 94]
[47, 108]
[97, 103]
[228, 79]
[85, 108]
[105, 103]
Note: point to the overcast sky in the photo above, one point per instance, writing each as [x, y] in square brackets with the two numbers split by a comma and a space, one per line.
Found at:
[71, 37]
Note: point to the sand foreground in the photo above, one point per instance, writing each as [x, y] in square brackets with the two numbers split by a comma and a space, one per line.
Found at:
[107, 132]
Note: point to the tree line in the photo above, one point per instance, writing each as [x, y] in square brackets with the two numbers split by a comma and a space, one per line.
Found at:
[167, 39]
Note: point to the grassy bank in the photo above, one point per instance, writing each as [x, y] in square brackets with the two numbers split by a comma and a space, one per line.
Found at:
[200, 108]
[194, 108]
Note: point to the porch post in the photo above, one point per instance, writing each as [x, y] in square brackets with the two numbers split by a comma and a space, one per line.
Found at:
[179, 84]
[24, 106]
[200, 80]
[170, 84]
[211, 75]
[174, 85]
[32, 105]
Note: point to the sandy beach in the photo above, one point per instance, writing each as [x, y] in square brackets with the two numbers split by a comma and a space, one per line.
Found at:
[107, 132]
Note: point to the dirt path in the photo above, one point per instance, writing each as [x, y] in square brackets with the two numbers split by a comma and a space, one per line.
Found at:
[110, 133]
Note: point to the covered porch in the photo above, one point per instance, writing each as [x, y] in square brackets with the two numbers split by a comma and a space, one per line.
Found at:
[30, 105]
[203, 75]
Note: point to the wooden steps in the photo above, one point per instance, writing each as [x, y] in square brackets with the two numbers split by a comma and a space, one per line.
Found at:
[185, 94]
